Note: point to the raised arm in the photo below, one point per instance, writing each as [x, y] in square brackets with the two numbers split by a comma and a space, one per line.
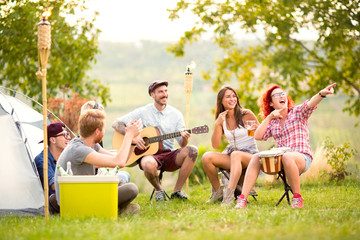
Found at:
[105, 160]
[217, 133]
[315, 100]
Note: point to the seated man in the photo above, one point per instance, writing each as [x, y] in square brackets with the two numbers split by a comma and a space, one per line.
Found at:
[168, 120]
[84, 153]
[58, 138]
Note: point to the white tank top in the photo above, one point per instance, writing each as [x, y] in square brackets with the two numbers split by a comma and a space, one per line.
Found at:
[238, 138]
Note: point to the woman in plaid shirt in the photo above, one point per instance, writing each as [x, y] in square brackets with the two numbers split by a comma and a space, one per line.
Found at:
[288, 125]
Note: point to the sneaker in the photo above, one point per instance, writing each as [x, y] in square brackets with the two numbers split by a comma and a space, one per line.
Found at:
[228, 198]
[130, 209]
[54, 208]
[241, 202]
[297, 202]
[179, 195]
[216, 196]
[160, 195]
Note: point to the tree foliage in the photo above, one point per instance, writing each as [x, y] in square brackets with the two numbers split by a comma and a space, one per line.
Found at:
[68, 110]
[73, 49]
[281, 55]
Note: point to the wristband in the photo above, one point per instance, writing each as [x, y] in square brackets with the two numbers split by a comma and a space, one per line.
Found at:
[322, 95]
[133, 144]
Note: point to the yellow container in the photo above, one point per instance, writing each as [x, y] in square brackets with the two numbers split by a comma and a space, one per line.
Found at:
[89, 196]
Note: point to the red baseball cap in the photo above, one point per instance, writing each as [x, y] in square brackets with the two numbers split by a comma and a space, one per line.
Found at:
[54, 129]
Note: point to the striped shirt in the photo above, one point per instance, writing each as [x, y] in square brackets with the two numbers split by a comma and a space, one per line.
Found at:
[295, 132]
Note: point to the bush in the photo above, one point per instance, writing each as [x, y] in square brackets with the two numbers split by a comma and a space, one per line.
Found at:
[337, 157]
[198, 175]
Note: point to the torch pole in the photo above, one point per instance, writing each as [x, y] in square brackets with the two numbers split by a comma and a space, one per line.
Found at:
[188, 82]
[44, 43]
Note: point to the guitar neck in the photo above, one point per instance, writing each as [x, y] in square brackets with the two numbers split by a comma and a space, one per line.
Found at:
[166, 136]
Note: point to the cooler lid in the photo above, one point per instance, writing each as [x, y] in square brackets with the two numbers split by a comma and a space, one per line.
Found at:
[88, 179]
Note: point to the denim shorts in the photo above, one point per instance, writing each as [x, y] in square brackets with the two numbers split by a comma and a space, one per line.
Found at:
[307, 162]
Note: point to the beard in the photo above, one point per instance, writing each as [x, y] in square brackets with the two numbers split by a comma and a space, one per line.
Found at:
[99, 138]
[158, 101]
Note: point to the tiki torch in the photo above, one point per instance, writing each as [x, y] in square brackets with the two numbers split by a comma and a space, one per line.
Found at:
[44, 43]
[188, 83]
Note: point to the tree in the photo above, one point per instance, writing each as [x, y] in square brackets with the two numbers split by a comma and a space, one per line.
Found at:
[73, 49]
[281, 56]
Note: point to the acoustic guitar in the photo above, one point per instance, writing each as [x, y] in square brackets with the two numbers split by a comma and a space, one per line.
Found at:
[152, 139]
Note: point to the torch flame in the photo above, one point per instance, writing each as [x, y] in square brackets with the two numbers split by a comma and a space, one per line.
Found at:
[47, 13]
[191, 66]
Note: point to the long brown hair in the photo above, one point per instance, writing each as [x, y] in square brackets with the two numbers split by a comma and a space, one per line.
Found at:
[238, 110]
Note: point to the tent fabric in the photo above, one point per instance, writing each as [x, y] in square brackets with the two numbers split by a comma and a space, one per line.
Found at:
[21, 191]
[31, 121]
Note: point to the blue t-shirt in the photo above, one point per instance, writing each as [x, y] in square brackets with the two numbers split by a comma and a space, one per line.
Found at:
[39, 160]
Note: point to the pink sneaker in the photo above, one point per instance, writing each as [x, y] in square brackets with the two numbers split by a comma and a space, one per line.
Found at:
[297, 202]
[241, 202]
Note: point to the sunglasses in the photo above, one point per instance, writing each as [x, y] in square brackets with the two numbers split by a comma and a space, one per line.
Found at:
[278, 95]
[65, 134]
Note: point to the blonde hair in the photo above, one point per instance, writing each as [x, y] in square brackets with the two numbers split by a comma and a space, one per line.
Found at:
[91, 105]
[90, 120]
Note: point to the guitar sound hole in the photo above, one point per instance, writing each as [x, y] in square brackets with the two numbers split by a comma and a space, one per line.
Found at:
[138, 151]
[146, 140]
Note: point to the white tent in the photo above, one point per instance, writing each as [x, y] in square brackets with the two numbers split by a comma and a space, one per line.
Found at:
[21, 192]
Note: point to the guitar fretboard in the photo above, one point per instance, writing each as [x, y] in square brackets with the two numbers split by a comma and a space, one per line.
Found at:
[166, 136]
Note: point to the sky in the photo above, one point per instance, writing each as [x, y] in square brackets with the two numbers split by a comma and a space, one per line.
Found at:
[136, 20]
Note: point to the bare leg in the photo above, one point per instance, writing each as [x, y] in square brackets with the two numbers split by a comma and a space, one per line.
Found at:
[251, 175]
[186, 158]
[294, 165]
[239, 160]
[211, 161]
[149, 165]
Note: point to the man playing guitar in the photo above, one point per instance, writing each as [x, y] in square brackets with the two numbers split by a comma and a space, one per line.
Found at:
[166, 119]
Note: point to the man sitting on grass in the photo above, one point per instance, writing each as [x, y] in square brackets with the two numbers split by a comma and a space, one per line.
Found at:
[84, 153]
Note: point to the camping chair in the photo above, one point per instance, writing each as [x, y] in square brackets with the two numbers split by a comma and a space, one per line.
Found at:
[287, 187]
[238, 191]
[160, 178]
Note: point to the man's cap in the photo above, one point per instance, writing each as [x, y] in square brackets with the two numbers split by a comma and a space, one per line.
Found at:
[54, 129]
[155, 85]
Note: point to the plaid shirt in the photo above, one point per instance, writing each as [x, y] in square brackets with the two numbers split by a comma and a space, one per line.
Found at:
[295, 132]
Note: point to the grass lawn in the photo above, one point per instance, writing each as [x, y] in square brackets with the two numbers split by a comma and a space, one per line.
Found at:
[332, 211]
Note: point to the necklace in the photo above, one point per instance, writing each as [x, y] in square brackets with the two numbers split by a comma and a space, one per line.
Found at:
[233, 133]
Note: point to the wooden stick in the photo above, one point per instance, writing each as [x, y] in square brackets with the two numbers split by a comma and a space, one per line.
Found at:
[44, 44]
[188, 82]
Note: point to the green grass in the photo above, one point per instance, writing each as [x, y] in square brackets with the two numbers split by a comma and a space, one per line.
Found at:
[332, 211]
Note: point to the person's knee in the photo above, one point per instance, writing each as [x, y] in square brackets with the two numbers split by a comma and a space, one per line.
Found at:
[236, 155]
[287, 160]
[206, 158]
[255, 161]
[133, 190]
[149, 165]
[130, 189]
[193, 152]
